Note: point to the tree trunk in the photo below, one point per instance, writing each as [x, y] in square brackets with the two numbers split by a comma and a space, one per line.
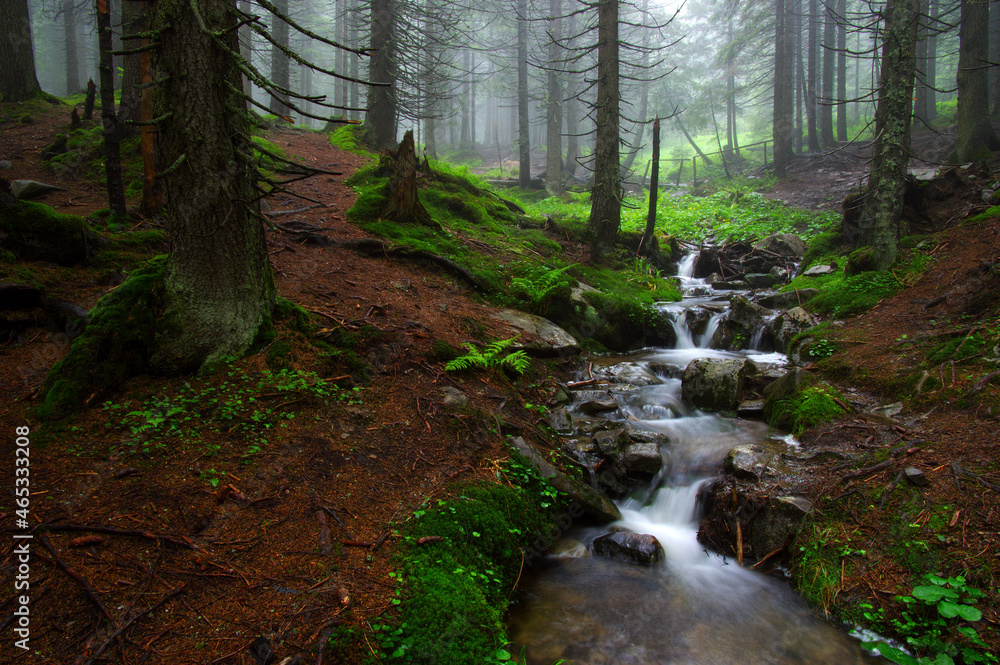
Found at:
[811, 76]
[245, 53]
[219, 284]
[883, 199]
[606, 211]
[112, 131]
[654, 189]
[523, 126]
[279, 61]
[684, 131]
[133, 21]
[931, 74]
[920, 94]
[799, 76]
[72, 58]
[403, 204]
[976, 139]
[995, 58]
[842, 71]
[553, 134]
[380, 124]
[826, 106]
[572, 111]
[463, 100]
[781, 119]
[18, 82]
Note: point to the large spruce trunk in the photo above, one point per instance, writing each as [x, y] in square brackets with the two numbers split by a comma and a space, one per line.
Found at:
[606, 206]
[976, 139]
[17, 76]
[219, 284]
[883, 199]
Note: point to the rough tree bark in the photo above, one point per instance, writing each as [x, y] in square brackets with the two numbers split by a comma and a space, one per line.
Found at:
[976, 138]
[403, 204]
[606, 210]
[112, 127]
[826, 105]
[781, 119]
[842, 71]
[279, 61]
[523, 125]
[553, 132]
[812, 135]
[882, 208]
[17, 76]
[133, 21]
[219, 284]
[69, 37]
[380, 121]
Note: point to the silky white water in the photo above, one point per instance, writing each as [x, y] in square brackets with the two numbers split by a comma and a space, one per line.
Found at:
[696, 608]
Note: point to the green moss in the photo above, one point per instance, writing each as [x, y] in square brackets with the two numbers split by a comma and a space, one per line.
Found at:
[348, 138]
[456, 589]
[812, 407]
[442, 351]
[298, 317]
[117, 343]
[37, 232]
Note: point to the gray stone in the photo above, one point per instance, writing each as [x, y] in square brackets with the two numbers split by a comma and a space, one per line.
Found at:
[750, 408]
[715, 384]
[788, 325]
[4, 165]
[916, 476]
[453, 397]
[644, 436]
[628, 373]
[642, 459]
[776, 524]
[787, 299]
[612, 442]
[640, 548]
[735, 285]
[29, 189]
[593, 502]
[749, 462]
[785, 244]
[598, 406]
[544, 337]
[816, 271]
[560, 420]
[761, 280]
[744, 320]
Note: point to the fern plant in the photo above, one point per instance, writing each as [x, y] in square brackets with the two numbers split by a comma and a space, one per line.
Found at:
[492, 356]
[542, 283]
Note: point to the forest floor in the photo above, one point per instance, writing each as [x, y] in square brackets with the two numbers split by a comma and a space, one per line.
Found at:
[244, 510]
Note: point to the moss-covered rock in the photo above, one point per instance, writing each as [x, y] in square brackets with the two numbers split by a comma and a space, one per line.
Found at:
[799, 401]
[116, 345]
[36, 232]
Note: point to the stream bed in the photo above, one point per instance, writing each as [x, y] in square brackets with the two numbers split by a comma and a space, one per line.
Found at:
[695, 607]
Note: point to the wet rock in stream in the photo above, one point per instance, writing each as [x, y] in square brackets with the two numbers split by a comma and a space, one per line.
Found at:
[640, 548]
[716, 384]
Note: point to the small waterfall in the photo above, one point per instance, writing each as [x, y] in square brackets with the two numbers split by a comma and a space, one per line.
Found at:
[678, 320]
[686, 268]
[705, 340]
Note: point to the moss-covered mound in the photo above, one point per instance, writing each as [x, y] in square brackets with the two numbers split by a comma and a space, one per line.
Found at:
[36, 232]
[116, 344]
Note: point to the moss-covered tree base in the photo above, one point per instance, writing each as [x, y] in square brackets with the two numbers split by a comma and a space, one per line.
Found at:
[36, 232]
[116, 345]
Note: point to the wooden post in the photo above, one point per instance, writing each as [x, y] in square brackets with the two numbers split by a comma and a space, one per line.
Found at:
[765, 153]
[680, 170]
[694, 170]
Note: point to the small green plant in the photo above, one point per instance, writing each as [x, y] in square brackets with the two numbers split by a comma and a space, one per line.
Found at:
[490, 357]
[542, 283]
[936, 613]
[821, 349]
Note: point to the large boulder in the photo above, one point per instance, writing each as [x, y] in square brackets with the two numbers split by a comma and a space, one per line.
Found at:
[744, 320]
[642, 459]
[640, 548]
[594, 503]
[716, 385]
[543, 338]
[628, 373]
[787, 299]
[789, 324]
[783, 244]
[790, 384]
[775, 525]
[749, 462]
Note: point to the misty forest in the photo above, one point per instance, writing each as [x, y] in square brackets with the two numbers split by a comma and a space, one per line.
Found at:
[552, 332]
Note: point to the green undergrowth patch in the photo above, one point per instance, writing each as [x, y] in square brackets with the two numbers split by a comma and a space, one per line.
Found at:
[239, 404]
[823, 553]
[459, 564]
[725, 217]
[807, 409]
[35, 231]
[348, 138]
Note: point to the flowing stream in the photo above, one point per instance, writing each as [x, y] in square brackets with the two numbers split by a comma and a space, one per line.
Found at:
[696, 608]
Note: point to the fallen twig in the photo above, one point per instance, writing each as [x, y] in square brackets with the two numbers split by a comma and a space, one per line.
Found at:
[123, 532]
[114, 636]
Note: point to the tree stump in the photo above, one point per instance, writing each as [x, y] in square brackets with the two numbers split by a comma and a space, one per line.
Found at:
[403, 204]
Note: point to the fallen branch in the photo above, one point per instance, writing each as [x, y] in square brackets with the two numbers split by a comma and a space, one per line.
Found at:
[123, 532]
[94, 598]
[114, 636]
